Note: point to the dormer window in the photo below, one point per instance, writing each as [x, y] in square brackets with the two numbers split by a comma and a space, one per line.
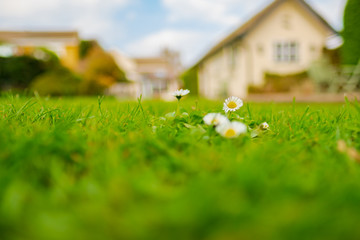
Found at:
[287, 51]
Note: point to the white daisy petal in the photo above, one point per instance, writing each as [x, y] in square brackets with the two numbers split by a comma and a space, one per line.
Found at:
[231, 129]
[232, 104]
[215, 119]
[180, 93]
[264, 126]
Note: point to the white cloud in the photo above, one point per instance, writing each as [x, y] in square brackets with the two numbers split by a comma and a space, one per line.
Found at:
[225, 12]
[91, 17]
[231, 12]
[20, 8]
[331, 10]
[189, 43]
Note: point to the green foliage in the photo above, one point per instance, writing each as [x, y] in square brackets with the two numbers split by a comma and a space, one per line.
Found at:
[57, 82]
[191, 81]
[351, 33]
[19, 71]
[44, 73]
[48, 56]
[330, 78]
[280, 83]
[85, 47]
[323, 74]
[103, 169]
[101, 71]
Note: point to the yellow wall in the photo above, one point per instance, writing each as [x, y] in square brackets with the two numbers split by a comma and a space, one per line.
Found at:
[71, 57]
[25, 50]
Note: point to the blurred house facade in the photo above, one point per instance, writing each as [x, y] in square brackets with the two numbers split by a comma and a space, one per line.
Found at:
[153, 77]
[284, 38]
[64, 44]
[131, 89]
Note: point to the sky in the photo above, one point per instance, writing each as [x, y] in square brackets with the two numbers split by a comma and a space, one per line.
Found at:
[141, 28]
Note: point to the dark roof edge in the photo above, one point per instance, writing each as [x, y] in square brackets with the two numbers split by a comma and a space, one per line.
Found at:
[317, 15]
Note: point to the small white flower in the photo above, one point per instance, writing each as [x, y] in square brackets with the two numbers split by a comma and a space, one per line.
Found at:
[232, 104]
[231, 129]
[264, 126]
[215, 119]
[180, 93]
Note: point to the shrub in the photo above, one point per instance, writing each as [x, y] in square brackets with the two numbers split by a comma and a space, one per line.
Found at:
[280, 83]
[323, 74]
[19, 71]
[85, 47]
[190, 80]
[60, 81]
[100, 72]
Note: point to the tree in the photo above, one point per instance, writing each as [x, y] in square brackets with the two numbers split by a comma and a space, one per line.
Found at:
[190, 80]
[99, 69]
[20, 71]
[351, 33]
[57, 82]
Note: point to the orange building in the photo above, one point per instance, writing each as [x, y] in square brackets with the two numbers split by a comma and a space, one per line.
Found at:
[64, 44]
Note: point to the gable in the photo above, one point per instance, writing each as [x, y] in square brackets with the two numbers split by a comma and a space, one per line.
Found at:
[262, 16]
[288, 22]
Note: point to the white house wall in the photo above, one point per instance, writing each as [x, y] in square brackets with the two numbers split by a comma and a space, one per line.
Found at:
[237, 84]
[309, 35]
[255, 53]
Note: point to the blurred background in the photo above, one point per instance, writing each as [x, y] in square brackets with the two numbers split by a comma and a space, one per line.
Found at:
[258, 50]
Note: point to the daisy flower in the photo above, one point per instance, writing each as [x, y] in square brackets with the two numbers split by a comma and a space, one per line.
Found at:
[231, 129]
[232, 104]
[264, 126]
[215, 119]
[180, 93]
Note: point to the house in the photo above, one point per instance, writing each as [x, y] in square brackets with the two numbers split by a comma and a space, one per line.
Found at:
[130, 89]
[159, 75]
[64, 44]
[282, 39]
[151, 77]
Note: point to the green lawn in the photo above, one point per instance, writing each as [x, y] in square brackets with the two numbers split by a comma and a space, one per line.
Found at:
[86, 169]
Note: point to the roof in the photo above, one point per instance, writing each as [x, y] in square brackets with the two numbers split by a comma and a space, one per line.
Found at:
[243, 30]
[34, 34]
[151, 60]
[16, 35]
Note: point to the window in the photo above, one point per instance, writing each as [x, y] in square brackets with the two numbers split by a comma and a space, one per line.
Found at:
[286, 52]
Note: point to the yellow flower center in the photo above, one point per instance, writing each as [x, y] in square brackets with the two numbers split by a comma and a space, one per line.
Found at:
[232, 104]
[215, 122]
[230, 133]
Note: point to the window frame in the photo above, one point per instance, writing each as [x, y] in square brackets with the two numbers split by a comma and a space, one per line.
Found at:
[286, 51]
